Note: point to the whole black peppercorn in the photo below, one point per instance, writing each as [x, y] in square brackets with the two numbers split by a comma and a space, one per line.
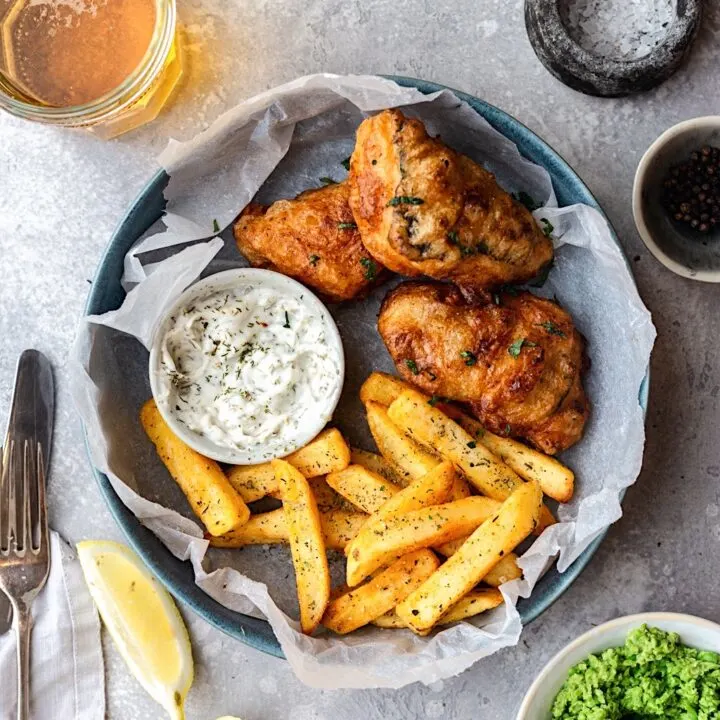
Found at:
[691, 190]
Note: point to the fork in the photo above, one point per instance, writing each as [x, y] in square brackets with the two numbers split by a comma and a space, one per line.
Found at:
[24, 550]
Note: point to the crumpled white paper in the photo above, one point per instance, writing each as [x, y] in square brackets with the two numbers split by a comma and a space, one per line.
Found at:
[285, 140]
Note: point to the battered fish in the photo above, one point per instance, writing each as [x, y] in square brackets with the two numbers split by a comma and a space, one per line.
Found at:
[424, 209]
[514, 358]
[313, 239]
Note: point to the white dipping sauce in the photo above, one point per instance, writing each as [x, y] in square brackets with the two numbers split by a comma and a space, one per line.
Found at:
[249, 368]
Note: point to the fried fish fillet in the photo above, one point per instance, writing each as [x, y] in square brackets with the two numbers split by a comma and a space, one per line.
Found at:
[514, 358]
[424, 209]
[313, 239]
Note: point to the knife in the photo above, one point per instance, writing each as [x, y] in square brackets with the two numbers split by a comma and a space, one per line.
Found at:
[33, 406]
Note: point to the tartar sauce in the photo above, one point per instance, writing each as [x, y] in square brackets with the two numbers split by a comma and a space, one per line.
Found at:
[249, 368]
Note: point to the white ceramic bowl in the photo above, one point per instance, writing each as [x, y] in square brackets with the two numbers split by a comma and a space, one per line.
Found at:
[693, 631]
[680, 250]
[231, 279]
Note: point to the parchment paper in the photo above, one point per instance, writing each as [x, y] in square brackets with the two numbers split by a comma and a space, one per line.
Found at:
[280, 143]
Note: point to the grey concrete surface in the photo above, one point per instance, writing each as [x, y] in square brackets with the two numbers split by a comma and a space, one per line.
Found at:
[61, 194]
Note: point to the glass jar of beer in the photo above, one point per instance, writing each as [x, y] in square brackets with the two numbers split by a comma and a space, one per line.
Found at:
[106, 65]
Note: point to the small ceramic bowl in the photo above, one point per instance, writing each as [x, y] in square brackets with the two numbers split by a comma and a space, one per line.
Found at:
[229, 280]
[681, 250]
[694, 632]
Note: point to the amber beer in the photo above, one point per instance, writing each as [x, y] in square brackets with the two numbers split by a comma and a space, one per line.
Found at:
[98, 63]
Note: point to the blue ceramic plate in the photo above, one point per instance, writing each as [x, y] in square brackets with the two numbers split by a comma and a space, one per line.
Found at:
[107, 294]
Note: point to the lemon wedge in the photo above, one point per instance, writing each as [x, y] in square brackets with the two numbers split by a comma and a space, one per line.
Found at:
[142, 619]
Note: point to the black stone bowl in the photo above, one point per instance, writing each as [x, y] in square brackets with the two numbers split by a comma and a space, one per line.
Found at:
[607, 77]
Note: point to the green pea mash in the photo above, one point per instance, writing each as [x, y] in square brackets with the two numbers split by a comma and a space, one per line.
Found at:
[653, 675]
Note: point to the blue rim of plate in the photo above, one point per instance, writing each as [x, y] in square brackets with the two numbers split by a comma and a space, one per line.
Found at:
[107, 294]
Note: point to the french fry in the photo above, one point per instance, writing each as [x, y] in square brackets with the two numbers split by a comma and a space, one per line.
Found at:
[328, 452]
[389, 620]
[339, 527]
[382, 388]
[253, 482]
[460, 488]
[450, 548]
[497, 536]
[362, 488]
[474, 603]
[413, 414]
[504, 571]
[326, 498]
[268, 528]
[211, 497]
[434, 488]
[556, 480]
[431, 489]
[385, 389]
[307, 544]
[377, 464]
[379, 542]
[396, 447]
[380, 594]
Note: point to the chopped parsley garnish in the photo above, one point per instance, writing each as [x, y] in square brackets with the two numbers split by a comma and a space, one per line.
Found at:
[472, 444]
[509, 289]
[287, 321]
[314, 259]
[515, 348]
[216, 227]
[328, 181]
[552, 328]
[435, 399]
[508, 429]
[405, 200]
[412, 366]
[479, 248]
[547, 226]
[249, 347]
[346, 162]
[527, 200]
[469, 357]
[370, 268]
[347, 226]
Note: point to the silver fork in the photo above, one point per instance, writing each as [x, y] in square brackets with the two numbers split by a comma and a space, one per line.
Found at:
[24, 538]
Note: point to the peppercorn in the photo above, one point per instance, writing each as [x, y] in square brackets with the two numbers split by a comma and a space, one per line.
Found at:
[691, 190]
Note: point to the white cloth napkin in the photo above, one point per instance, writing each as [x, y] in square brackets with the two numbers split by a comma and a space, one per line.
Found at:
[67, 674]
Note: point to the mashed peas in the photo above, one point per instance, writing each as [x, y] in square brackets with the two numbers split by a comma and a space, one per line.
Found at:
[652, 676]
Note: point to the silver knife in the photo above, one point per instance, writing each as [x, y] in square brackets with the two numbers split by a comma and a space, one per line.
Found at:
[33, 403]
